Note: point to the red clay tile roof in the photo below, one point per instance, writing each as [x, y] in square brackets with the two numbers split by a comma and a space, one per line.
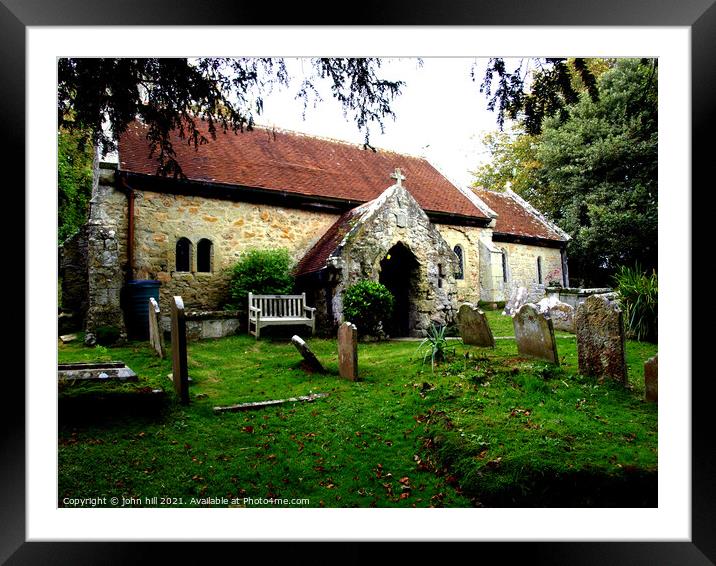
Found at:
[297, 163]
[514, 219]
[315, 258]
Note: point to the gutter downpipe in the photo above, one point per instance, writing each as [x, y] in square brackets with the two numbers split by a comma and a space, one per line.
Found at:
[130, 228]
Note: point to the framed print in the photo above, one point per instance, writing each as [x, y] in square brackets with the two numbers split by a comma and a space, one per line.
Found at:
[33, 32]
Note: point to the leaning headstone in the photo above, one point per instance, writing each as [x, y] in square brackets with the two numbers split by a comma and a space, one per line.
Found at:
[348, 351]
[310, 361]
[517, 299]
[534, 334]
[180, 373]
[561, 314]
[155, 332]
[600, 338]
[473, 326]
[651, 379]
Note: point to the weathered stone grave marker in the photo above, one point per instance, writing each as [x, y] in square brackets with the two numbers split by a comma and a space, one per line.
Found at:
[561, 314]
[156, 339]
[534, 334]
[651, 379]
[95, 371]
[600, 338]
[473, 326]
[348, 351]
[310, 361]
[517, 299]
[272, 403]
[180, 373]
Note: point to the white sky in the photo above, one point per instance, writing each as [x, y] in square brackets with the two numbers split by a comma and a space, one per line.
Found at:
[440, 114]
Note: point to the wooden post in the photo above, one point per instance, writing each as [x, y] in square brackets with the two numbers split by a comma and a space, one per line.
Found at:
[179, 359]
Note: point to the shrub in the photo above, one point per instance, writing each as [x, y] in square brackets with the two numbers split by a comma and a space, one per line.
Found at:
[366, 304]
[263, 272]
[638, 293]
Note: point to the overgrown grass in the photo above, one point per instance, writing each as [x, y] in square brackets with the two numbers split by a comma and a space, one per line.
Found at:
[489, 428]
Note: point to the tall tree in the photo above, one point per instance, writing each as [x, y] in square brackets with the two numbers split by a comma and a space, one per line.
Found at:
[513, 162]
[105, 95]
[593, 170]
[601, 171]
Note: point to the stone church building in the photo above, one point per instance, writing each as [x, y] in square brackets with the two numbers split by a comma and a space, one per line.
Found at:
[344, 214]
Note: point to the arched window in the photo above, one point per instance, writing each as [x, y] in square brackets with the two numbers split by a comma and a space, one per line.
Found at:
[183, 255]
[460, 272]
[539, 269]
[203, 256]
[504, 265]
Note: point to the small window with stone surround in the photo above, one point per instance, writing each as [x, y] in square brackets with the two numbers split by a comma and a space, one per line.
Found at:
[504, 266]
[539, 270]
[203, 256]
[460, 271]
[183, 255]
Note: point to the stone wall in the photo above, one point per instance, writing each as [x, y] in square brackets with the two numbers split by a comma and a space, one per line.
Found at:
[232, 228]
[396, 218]
[73, 272]
[467, 237]
[106, 254]
[522, 268]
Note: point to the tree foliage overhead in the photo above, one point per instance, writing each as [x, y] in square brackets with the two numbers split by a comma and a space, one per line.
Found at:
[74, 182]
[538, 88]
[593, 171]
[104, 95]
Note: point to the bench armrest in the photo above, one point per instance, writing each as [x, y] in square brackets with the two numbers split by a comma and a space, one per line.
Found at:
[255, 309]
[310, 310]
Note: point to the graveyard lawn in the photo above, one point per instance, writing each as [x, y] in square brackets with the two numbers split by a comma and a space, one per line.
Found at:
[486, 429]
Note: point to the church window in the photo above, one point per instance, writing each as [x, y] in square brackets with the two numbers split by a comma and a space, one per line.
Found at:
[539, 269]
[460, 272]
[183, 255]
[203, 256]
[504, 265]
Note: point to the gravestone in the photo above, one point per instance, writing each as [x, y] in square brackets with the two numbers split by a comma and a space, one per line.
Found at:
[600, 338]
[561, 314]
[180, 373]
[534, 334]
[517, 299]
[348, 351]
[156, 339]
[310, 361]
[651, 379]
[473, 326]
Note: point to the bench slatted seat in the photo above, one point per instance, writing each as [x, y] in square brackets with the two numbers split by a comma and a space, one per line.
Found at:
[276, 310]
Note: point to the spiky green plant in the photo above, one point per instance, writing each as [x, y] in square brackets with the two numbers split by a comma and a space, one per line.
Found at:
[435, 345]
[639, 294]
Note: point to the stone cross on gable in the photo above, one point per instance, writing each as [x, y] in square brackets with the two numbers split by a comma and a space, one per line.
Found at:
[398, 176]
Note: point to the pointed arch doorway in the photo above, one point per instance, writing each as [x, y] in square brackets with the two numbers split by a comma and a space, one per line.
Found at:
[399, 272]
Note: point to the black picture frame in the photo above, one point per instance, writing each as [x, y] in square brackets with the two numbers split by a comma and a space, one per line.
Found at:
[698, 15]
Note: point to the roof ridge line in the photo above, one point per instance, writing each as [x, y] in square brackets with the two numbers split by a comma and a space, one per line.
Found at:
[340, 141]
[536, 213]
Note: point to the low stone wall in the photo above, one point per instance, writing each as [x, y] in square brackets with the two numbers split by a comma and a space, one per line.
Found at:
[574, 295]
[203, 324]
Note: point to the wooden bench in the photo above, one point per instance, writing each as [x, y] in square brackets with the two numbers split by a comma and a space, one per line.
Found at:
[276, 310]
